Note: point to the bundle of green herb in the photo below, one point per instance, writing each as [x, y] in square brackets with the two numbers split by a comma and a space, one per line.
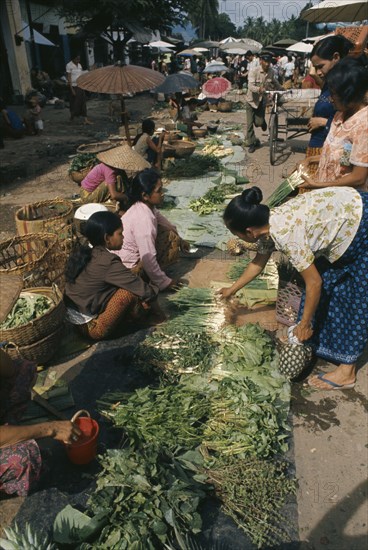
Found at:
[176, 350]
[197, 308]
[212, 199]
[253, 492]
[285, 188]
[197, 166]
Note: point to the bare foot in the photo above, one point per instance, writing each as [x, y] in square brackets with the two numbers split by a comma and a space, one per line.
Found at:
[87, 121]
[343, 377]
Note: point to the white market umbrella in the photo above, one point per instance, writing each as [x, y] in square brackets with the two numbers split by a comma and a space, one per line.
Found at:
[330, 11]
[229, 39]
[161, 44]
[236, 51]
[201, 50]
[300, 47]
[314, 39]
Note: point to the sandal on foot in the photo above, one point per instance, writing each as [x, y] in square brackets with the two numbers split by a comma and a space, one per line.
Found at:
[333, 385]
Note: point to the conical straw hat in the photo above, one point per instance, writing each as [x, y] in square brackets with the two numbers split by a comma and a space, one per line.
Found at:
[123, 158]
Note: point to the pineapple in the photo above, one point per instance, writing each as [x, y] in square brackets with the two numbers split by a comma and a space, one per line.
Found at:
[27, 540]
[237, 247]
[293, 359]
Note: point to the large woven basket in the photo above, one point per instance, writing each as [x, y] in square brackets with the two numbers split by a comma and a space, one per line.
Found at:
[78, 175]
[40, 351]
[38, 258]
[52, 216]
[96, 147]
[42, 326]
[288, 301]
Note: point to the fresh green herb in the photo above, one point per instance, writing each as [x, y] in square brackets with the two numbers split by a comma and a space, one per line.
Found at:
[213, 198]
[284, 189]
[196, 166]
[26, 309]
[82, 160]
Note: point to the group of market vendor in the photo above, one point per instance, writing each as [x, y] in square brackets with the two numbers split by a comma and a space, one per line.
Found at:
[105, 290]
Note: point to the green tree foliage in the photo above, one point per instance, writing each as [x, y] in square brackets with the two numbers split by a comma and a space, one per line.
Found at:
[269, 32]
[203, 15]
[222, 27]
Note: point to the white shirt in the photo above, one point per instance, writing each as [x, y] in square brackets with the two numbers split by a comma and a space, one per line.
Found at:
[75, 71]
[289, 68]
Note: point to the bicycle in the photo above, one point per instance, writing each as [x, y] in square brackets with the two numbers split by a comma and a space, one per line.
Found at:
[295, 122]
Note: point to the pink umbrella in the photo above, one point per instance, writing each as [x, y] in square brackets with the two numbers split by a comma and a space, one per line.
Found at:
[216, 87]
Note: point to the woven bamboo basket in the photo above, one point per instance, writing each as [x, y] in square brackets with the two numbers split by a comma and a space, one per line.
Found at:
[37, 257]
[52, 216]
[40, 351]
[42, 326]
[288, 301]
[97, 147]
[78, 175]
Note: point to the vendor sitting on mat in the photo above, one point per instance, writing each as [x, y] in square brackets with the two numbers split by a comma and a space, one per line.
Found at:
[20, 456]
[189, 116]
[150, 148]
[151, 242]
[101, 294]
[106, 180]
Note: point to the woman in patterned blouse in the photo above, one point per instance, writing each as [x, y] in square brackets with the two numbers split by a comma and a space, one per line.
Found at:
[329, 224]
[344, 157]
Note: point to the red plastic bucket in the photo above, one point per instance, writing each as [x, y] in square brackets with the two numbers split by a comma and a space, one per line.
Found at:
[84, 450]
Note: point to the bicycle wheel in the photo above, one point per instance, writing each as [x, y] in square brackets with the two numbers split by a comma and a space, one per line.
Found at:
[273, 129]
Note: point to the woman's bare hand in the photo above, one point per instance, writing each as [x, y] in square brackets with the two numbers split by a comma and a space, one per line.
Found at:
[65, 431]
[224, 293]
[303, 332]
[316, 122]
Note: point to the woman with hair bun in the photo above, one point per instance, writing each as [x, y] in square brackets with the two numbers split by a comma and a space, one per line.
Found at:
[329, 224]
[151, 242]
[344, 156]
[101, 294]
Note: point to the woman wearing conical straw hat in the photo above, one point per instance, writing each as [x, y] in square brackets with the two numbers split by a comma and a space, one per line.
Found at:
[102, 182]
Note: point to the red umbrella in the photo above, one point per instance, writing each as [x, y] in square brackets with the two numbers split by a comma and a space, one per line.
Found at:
[216, 87]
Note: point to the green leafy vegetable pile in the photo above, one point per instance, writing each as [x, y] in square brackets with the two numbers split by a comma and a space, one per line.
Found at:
[27, 308]
[82, 160]
[213, 198]
[197, 165]
[214, 422]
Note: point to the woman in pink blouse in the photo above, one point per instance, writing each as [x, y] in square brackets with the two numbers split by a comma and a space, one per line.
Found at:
[150, 240]
[344, 157]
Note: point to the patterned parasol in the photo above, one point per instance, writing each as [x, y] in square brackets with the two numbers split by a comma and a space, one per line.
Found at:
[216, 87]
[120, 79]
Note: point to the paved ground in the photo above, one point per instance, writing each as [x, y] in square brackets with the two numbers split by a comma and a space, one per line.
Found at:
[330, 428]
